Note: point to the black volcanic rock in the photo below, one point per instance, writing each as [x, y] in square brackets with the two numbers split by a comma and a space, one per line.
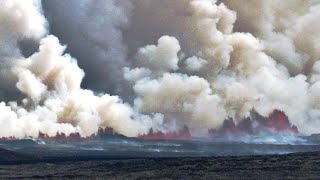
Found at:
[293, 166]
[8, 156]
[315, 138]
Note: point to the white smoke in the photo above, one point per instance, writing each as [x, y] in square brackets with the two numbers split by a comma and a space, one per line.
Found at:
[212, 61]
[50, 81]
[93, 32]
[265, 70]
[55, 102]
[15, 26]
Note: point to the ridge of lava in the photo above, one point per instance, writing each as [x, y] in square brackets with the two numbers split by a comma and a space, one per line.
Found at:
[276, 123]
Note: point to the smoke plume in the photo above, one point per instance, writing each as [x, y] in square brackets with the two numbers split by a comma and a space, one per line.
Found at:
[136, 65]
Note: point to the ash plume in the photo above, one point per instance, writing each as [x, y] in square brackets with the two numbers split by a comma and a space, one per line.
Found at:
[159, 65]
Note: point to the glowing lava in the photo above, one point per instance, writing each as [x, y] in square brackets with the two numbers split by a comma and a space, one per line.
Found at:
[63, 137]
[276, 123]
[76, 136]
[182, 134]
[11, 138]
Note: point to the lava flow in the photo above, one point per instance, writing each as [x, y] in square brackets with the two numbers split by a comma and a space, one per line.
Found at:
[77, 137]
[276, 123]
[182, 134]
[63, 137]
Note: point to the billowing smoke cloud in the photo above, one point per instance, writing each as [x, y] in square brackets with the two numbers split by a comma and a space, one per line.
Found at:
[16, 27]
[263, 60]
[50, 83]
[93, 32]
[172, 64]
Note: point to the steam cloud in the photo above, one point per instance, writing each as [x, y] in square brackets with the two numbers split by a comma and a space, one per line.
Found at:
[169, 63]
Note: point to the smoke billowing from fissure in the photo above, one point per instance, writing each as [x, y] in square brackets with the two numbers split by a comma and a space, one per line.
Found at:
[136, 65]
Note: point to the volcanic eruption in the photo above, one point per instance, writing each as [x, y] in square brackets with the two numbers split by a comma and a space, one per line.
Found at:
[158, 69]
[275, 123]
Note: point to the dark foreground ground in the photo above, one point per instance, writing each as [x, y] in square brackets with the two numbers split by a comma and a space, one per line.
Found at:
[299, 165]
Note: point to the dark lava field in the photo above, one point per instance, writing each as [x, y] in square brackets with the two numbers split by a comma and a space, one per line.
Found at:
[128, 158]
[293, 166]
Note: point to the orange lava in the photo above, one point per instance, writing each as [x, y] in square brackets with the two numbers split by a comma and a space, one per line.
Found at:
[11, 138]
[277, 122]
[64, 137]
[182, 134]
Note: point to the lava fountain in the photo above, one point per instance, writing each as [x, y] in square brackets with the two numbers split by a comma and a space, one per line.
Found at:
[276, 123]
[181, 134]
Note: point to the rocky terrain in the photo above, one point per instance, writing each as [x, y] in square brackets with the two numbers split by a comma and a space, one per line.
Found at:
[292, 166]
